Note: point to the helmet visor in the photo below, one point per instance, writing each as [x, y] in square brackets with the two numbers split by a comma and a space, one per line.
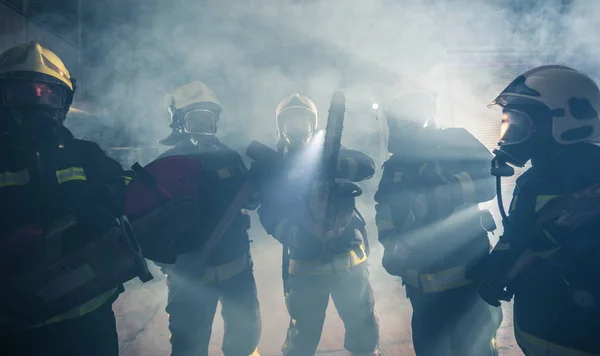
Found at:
[20, 94]
[516, 127]
[200, 122]
[297, 127]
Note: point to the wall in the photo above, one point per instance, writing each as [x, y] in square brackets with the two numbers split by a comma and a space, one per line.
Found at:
[12, 27]
[486, 73]
[16, 28]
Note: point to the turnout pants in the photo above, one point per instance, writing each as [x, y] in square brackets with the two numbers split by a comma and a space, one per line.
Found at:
[192, 306]
[455, 322]
[352, 296]
[93, 334]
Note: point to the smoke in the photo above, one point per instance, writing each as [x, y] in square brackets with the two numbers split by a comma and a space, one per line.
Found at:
[254, 53]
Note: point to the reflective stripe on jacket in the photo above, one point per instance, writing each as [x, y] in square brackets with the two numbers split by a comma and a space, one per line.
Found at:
[339, 262]
[21, 178]
[437, 282]
[213, 274]
[69, 174]
[219, 273]
[74, 313]
[14, 179]
[534, 346]
[81, 310]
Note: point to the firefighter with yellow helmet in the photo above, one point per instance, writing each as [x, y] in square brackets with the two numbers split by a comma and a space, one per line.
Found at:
[195, 287]
[550, 116]
[312, 273]
[62, 229]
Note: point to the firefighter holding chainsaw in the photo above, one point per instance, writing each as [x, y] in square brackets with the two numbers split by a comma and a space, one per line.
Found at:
[223, 271]
[317, 262]
[62, 230]
[548, 256]
[432, 230]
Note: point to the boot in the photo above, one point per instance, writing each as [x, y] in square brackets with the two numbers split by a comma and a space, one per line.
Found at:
[494, 346]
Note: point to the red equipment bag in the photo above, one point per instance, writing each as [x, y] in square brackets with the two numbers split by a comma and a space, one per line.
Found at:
[161, 203]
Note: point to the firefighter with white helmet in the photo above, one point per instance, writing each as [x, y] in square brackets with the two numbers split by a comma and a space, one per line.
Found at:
[551, 268]
[432, 229]
[197, 286]
[58, 198]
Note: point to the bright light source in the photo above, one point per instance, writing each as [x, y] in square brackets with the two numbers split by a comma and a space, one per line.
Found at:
[309, 157]
[375, 106]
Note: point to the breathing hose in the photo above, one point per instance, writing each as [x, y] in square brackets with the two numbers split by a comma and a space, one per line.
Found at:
[500, 169]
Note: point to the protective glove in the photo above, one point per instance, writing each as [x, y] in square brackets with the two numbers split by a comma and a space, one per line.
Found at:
[493, 266]
[493, 292]
[495, 272]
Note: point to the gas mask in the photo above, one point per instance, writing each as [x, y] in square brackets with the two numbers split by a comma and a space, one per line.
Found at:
[296, 128]
[516, 130]
[200, 122]
[518, 143]
[33, 109]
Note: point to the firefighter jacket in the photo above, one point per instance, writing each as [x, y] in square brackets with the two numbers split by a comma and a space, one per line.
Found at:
[556, 297]
[427, 202]
[224, 174]
[281, 202]
[39, 186]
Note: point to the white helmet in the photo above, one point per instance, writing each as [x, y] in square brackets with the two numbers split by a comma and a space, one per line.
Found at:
[572, 98]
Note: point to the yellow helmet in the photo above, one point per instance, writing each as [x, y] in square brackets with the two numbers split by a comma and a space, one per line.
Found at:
[293, 106]
[33, 58]
[34, 78]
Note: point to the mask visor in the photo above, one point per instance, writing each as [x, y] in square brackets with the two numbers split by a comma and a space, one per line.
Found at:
[200, 122]
[516, 127]
[297, 128]
[29, 94]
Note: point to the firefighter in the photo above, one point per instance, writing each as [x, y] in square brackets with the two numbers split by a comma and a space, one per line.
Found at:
[309, 278]
[549, 118]
[195, 290]
[431, 228]
[46, 175]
